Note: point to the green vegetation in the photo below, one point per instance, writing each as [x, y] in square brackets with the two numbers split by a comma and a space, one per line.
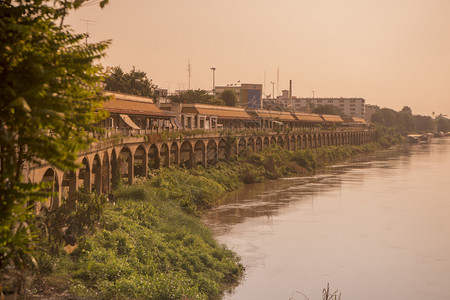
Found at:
[229, 97]
[134, 82]
[149, 245]
[404, 122]
[50, 101]
[328, 109]
[196, 96]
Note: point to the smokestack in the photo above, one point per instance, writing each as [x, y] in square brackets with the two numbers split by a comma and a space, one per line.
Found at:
[290, 94]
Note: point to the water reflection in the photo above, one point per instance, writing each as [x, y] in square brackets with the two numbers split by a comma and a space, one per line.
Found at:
[266, 199]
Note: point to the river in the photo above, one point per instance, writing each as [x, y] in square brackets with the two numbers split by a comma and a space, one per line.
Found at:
[374, 228]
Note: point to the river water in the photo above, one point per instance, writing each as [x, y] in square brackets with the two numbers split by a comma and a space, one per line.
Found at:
[374, 228]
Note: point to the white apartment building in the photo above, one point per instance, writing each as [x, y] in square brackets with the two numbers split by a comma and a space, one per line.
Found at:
[354, 107]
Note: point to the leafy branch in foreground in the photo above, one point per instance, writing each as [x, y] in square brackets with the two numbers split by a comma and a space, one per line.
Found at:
[49, 100]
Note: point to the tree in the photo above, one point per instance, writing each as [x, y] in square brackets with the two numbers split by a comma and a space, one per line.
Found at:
[443, 124]
[50, 100]
[135, 83]
[196, 96]
[229, 98]
[407, 110]
[328, 109]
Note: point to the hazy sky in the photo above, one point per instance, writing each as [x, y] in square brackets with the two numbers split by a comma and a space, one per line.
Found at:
[390, 52]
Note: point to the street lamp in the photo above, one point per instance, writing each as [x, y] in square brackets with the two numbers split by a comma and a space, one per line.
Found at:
[214, 80]
[313, 93]
[273, 89]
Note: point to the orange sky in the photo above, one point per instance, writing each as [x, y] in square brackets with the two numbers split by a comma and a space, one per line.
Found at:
[390, 52]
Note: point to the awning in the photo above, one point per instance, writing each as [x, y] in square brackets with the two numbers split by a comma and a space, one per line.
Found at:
[176, 123]
[332, 118]
[273, 114]
[354, 120]
[308, 118]
[129, 122]
[359, 120]
[132, 105]
[222, 112]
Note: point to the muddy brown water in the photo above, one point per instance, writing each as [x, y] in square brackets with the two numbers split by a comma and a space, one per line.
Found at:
[374, 228]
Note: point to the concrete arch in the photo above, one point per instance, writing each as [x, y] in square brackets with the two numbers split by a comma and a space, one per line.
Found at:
[251, 144]
[292, 144]
[174, 154]
[273, 141]
[280, 141]
[224, 150]
[51, 177]
[211, 153]
[259, 144]
[125, 162]
[241, 145]
[200, 154]
[164, 155]
[140, 162]
[153, 157]
[266, 142]
[298, 144]
[186, 154]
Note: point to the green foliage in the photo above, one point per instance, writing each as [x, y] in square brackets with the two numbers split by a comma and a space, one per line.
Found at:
[229, 97]
[135, 82]
[305, 158]
[387, 136]
[70, 221]
[196, 96]
[50, 101]
[149, 248]
[190, 191]
[403, 121]
[328, 109]
[443, 124]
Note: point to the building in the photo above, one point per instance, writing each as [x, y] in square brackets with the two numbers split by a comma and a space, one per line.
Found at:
[354, 107]
[249, 94]
[134, 115]
[370, 109]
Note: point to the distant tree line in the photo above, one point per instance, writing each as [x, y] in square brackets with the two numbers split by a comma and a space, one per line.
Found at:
[406, 122]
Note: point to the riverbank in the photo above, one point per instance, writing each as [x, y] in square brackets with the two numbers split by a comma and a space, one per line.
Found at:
[151, 244]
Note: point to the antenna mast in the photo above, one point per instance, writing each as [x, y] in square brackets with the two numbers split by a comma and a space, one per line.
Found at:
[189, 74]
[87, 22]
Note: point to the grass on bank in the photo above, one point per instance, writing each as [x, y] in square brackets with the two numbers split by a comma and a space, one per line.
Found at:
[151, 243]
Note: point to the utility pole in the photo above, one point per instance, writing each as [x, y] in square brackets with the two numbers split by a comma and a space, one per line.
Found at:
[313, 93]
[273, 89]
[278, 81]
[87, 28]
[214, 80]
[264, 87]
[189, 74]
